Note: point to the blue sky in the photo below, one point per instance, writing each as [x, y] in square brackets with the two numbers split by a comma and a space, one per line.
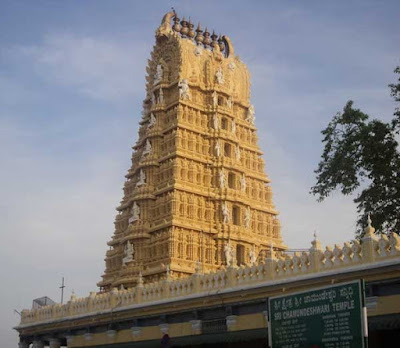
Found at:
[71, 87]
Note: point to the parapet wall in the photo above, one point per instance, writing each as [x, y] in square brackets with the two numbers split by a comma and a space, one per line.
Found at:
[370, 251]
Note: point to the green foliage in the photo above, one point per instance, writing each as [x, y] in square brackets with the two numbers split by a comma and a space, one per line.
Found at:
[362, 156]
[395, 93]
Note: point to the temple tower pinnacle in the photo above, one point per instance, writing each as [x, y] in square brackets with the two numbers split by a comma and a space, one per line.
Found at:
[196, 195]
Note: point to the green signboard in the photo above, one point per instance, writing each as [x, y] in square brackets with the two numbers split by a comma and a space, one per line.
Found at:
[329, 317]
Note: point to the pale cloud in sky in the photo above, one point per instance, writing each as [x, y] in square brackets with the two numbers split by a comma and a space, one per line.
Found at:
[98, 68]
[71, 88]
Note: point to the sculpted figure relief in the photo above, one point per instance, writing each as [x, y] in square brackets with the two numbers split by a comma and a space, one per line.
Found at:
[225, 213]
[152, 120]
[233, 127]
[215, 98]
[250, 117]
[229, 102]
[198, 51]
[135, 213]
[184, 92]
[243, 183]
[219, 76]
[129, 252]
[147, 148]
[142, 178]
[253, 256]
[153, 99]
[218, 148]
[228, 254]
[159, 74]
[222, 178]
[216, 122]
[237, 152]
[161, 97]
[247, 217]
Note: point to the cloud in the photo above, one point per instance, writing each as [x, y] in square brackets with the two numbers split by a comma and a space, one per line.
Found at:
[97, 68]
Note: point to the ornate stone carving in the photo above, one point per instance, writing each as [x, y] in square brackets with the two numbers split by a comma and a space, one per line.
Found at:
[152, 121]
[147, 148]
[247, 217]
[234, 127]
[215, 98]
[135, 211]
[161, 96]
[219, 76]
[237, 153]
[229, 102]
[218, 149]
[225, 213]
[176, 157]
[142, 178]
[222, 178]
[253, 256]
[232, 66]
[250, 116]
[215, 122]
[228, 250]
[159, 74]
[184, 92]
[129, 252]
[198, 50]
[243, 183]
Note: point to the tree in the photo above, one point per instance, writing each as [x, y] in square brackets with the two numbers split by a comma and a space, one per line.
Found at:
[362, 156]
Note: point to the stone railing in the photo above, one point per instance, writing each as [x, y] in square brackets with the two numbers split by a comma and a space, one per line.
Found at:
[277, 266]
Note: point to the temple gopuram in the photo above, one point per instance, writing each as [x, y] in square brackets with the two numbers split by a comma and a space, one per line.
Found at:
[197, 248]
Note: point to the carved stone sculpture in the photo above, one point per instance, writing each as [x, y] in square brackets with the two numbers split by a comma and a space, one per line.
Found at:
[250, 117]
[247, 217]
[225, 213]
[159, 74]
[219, 76]
[184, 92]
[128, 253]
[142, 178]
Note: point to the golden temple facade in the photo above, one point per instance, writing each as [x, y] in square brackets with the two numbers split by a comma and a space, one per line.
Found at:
[196, 196]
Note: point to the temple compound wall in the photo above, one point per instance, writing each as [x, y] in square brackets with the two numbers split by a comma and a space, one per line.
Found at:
[226, 305]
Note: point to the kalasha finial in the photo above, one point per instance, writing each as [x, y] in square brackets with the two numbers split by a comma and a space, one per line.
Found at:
[315, 234]
[191, 32]
[199, 36]
[207, 40]
[369, 230]
[221, 43]
[184, 29]
[176, 27]
[214, 39]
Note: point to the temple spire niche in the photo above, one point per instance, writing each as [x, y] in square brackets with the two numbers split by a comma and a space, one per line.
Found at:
[196, 195]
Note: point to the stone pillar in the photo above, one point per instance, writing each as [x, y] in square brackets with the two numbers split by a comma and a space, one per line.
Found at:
[196, 327]
[315, 255]
[70, 340]
[38, 344]
[369, 243]
[54, 343]
[231, 322]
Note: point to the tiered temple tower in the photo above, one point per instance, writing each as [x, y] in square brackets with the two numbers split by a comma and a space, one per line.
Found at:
[196, 197]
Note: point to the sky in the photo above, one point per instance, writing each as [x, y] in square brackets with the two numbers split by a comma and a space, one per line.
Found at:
[72, 76]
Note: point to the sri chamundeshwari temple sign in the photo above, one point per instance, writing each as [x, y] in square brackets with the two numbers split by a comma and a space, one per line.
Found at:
[197, 171]
[197, 251]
